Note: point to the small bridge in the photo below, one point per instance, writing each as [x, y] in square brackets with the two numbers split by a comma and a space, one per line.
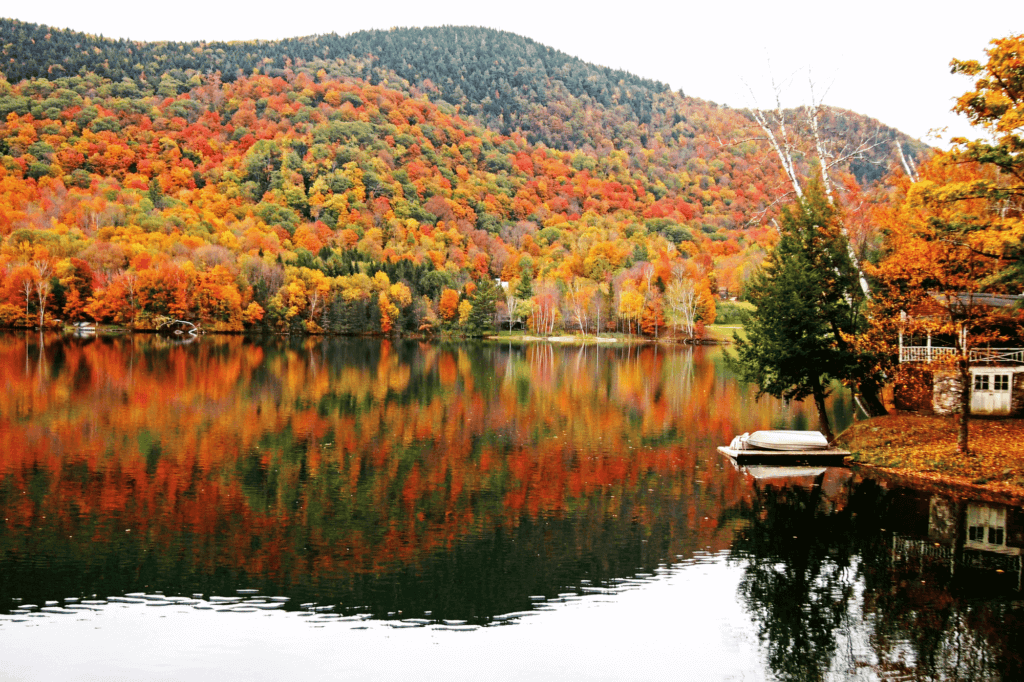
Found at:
[179, 328]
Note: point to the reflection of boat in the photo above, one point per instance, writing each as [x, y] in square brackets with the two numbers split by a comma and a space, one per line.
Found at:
[768, 473]
[773, 445]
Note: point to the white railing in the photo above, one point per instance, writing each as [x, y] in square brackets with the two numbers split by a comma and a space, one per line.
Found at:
[925, 353]
[1007, 355]
[930, 353]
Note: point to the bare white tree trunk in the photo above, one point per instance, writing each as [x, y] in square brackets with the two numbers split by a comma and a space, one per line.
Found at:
[27, 286]
[907, 162]
[682, 301]
[826, 160]
[314, 301]
[511, 303]
[784, 150]
[576, 299]
[45, 269]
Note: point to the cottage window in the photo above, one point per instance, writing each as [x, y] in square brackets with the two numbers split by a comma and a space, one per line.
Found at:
[986, 526]
[1001, 382]
[981, 382]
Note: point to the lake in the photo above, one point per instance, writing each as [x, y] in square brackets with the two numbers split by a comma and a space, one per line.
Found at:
[259, 509]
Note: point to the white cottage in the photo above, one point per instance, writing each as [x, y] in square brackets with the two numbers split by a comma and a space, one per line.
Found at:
[997, 374]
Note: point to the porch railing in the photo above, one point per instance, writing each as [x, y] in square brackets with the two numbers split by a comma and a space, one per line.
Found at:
[976, 355]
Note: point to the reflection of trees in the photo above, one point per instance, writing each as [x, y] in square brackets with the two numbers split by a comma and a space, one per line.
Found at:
[928, 622]
[344, 468]
[799, 577]
[804, 570]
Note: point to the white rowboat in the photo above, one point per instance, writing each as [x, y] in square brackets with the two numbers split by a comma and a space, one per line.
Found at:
[786, 440]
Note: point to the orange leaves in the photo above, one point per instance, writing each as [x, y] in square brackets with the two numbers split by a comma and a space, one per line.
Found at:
[448, 306]
[926, 444]
[274, 167]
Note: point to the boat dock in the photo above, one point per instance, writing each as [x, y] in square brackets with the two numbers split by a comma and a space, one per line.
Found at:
[818, 457]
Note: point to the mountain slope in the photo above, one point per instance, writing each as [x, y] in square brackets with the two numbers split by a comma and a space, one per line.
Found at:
[507, 82]
[265, 193]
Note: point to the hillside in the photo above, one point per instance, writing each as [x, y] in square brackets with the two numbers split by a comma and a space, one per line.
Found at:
[505, 81]
[270, 191]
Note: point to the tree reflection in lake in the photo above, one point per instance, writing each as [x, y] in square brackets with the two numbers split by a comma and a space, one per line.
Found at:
[363, 472]
[800, 571]
[467, 482]
[868, 578]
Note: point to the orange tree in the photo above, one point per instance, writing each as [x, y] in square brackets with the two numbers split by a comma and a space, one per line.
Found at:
[937, 256]
[953, 235]
[996, 106]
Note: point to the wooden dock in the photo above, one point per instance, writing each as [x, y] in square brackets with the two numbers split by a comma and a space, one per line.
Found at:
[817, 457]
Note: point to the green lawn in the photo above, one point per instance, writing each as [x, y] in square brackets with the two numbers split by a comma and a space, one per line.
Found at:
[723, 332]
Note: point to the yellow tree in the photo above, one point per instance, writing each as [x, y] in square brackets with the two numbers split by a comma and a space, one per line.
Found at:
[996, 106]
[940, 259]
[631, 305]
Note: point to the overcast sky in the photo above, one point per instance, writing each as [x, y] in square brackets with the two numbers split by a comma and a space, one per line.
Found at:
[884, 58]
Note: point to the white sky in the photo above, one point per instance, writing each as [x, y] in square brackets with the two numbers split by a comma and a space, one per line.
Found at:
[884, 58]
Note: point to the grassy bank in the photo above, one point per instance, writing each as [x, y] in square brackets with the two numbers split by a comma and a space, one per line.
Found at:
[924, 447]
[722, 333]
[713, 334]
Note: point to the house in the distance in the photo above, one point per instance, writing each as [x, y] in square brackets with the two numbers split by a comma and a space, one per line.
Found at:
[997, 373]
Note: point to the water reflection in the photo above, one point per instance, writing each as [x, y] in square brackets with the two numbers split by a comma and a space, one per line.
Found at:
[404, 485]
[846, 576]
[400, 475]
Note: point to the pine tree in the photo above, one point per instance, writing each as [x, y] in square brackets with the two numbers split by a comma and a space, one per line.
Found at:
[481, 318]
[808, 308]
[524, 290]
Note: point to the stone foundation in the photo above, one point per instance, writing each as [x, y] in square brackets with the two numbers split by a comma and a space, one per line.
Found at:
[946, 393]
[1017, 397]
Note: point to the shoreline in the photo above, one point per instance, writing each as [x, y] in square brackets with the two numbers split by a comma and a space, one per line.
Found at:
[578, 339]
[921, 449]
[941, 483]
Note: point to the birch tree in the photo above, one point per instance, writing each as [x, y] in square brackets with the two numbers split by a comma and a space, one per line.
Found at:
[581, 291]
[781, 136]
[44, 269]
[511, 305]
[681, 298]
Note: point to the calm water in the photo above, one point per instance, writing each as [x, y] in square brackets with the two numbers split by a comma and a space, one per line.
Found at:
[364, 509]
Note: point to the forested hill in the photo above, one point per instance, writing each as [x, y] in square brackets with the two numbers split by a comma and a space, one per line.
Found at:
[309, 184]
[500, 72]
[505, 81]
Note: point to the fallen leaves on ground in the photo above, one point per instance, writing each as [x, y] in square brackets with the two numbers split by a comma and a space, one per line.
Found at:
[926, 446]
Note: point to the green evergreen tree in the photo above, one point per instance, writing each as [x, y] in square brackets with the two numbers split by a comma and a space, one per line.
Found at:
[524, 290]
[808, 306]
[481, 317]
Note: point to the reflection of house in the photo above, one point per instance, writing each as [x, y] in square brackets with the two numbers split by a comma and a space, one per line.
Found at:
[987, 530]
[997, 374]
[960, 535]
